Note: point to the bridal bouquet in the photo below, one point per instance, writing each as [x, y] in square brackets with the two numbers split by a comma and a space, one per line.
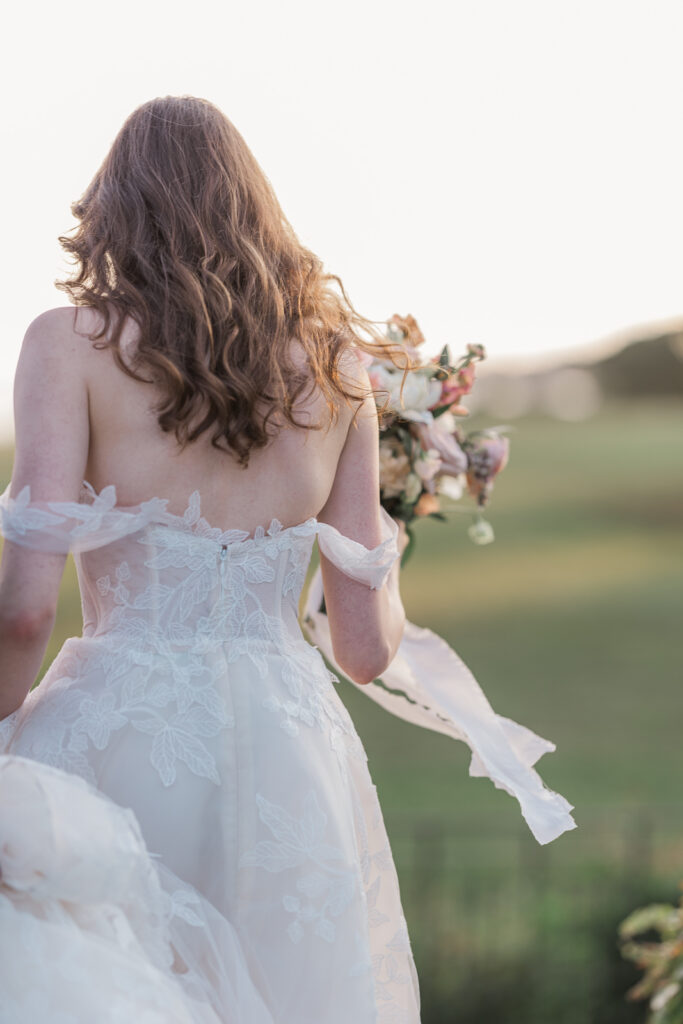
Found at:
[426, 460]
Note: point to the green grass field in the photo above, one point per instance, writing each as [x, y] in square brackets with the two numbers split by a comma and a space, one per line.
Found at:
[572, 623]
[571, 620]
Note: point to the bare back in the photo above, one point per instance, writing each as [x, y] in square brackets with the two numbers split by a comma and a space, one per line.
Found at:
[78, 415]
[289, 480]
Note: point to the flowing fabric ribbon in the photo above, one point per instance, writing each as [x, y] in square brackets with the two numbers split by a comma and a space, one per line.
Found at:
[437, 691]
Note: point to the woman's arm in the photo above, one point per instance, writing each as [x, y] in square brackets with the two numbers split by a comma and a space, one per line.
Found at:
[23, 642]
[366, 625]
[51, 450]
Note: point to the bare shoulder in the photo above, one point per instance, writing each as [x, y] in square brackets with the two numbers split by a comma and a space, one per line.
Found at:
[349, 365]
[54, 324]
[58, 337]
[313, 402]
[352, 369]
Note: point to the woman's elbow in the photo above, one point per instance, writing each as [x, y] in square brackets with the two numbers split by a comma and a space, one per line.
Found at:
[364, 650]
[363, 667]
[26, 626]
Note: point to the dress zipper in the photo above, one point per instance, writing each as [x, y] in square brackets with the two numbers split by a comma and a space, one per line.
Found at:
[224, 552]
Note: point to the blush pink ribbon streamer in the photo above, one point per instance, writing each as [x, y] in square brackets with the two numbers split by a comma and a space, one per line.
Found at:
[428, 684]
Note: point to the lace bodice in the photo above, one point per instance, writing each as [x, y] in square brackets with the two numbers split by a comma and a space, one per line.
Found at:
[155, 579]
[172, 607]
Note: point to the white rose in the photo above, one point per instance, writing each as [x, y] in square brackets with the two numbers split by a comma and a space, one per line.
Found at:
[413, 487]
[451, 486]
[447, 422]
[419, 393]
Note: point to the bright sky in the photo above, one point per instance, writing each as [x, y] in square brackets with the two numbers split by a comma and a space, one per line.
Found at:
[508, 172]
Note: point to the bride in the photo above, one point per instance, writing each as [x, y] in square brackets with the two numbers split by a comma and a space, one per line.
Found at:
[189, 833]
[188, 828]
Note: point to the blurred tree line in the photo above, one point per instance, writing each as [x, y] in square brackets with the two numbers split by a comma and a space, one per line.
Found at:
[648, 366]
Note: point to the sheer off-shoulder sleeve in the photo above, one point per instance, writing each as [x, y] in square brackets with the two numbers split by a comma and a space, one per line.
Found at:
[370, 566]
[59, 527]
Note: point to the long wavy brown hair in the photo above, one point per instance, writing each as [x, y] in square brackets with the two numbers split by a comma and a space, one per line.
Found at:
[181, 230]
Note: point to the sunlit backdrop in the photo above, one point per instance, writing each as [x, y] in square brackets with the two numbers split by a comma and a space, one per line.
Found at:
[510, 174]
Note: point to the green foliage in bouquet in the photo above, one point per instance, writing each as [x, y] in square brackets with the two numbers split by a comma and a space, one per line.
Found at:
[661, 958]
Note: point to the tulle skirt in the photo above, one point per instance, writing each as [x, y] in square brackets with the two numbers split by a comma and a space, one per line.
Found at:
[271, 898]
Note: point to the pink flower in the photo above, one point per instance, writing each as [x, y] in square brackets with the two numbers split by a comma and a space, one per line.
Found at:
[453, 458]
[457, 385]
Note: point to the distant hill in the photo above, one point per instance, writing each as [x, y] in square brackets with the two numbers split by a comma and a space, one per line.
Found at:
[648, 366]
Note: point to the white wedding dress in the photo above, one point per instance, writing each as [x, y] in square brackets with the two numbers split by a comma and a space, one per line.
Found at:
[188, 828]
[189, 833]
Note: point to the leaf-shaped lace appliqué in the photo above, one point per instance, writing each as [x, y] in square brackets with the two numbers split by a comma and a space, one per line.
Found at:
[173, 699]
[326, 887]
[20, 516]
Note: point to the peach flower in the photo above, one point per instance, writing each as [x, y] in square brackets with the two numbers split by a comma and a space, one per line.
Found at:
[427, 504]
[408, 327]
[394, 467]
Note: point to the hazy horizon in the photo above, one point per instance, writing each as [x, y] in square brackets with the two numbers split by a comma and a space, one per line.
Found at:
[507, 174]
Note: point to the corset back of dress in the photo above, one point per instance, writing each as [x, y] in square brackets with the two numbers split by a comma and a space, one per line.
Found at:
[181, 590]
